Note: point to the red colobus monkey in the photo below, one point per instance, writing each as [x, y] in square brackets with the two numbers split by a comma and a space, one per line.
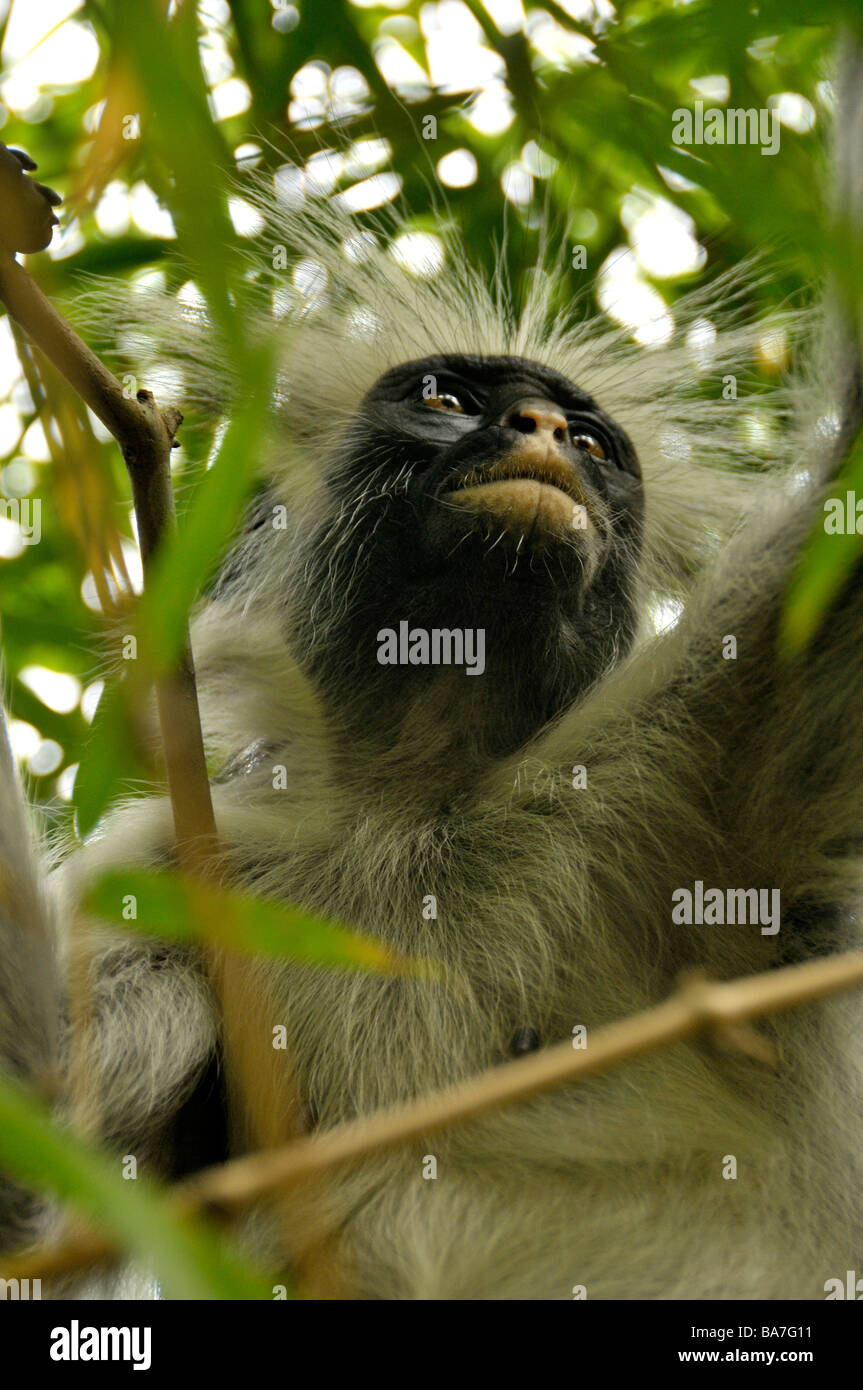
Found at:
[439, 606]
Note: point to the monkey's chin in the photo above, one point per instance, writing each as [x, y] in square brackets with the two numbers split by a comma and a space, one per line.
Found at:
[525, 506]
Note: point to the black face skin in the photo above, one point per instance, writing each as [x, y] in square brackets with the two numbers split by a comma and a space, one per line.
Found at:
[436, 542]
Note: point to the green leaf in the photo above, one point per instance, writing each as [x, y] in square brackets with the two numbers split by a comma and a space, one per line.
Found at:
[164, 54]
[169, 904]
[189, 557]
[110, 763]
[824, 567]
[190, 1260]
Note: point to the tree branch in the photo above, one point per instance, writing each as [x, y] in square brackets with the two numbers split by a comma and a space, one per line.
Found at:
[717, 1012]
[263, 1091]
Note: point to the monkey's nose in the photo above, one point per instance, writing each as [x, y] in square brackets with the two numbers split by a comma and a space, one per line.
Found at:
[536, 416]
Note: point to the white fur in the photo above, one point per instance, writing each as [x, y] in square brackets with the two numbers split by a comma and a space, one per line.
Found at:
[553, 904]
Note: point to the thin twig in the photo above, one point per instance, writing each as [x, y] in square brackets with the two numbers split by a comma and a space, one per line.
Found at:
[145, 435]
[700, 1007]
[263, 1090]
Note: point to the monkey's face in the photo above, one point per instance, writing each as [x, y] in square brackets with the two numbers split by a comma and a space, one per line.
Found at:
[479, 494]
[501, 453]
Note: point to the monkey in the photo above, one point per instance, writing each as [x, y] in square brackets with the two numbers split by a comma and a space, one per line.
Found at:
[438, 622]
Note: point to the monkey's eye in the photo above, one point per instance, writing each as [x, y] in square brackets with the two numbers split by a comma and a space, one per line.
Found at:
[445, 401]
[590, 444]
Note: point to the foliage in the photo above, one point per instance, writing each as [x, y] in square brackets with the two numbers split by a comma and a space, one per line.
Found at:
[189, 1259]
[566, 119]
[591, 94]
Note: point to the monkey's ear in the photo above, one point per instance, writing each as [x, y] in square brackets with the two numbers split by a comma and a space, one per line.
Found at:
[27, 222]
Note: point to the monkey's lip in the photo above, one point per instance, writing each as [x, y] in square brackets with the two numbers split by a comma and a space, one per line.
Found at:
[524, 465]
[530, 491]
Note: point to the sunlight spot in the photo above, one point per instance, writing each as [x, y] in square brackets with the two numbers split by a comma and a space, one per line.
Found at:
[59, 691]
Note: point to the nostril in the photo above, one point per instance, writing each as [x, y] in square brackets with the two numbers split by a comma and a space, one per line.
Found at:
[525, 424]
[537, 417]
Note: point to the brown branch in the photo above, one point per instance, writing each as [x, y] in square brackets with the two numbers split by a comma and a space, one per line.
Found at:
[262, 1093]
[145, 435]
[700, 1006]
[719, 1012]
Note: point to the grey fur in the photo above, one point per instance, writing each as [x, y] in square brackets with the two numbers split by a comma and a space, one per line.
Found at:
[554, 904]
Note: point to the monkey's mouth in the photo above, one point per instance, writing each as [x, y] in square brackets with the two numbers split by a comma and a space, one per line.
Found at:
[528, 490]
[526, 465]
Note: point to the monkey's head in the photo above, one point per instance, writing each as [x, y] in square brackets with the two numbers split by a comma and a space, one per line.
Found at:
[461, 493]
[474, 495]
